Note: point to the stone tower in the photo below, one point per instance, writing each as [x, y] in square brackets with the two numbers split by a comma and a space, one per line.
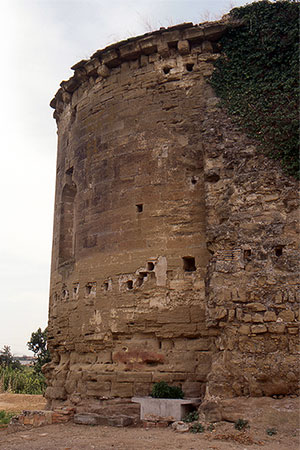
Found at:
[158, 264]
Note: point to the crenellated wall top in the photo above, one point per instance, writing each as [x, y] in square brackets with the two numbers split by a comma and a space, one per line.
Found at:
[181, 37]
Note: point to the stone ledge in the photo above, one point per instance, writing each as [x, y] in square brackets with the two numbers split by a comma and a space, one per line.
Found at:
[164, 409]
[120, 420]
[151, 424]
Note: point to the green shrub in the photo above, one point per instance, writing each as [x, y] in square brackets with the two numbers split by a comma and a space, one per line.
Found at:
[271, 431]
[197, 428]
[191, 417]
[22, 381]
[257, 80]
[241, 424]
[163, 390]
[5, 417]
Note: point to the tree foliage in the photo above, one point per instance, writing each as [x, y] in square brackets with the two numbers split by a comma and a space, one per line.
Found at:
[7, 360]
[38, 345]
[256, 77]
[23, 380]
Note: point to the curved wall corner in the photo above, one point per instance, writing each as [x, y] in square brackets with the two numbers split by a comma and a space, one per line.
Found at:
[129, 246]
[165, 225]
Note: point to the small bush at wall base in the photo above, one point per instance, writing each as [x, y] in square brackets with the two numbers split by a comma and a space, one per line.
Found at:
[271, 431]
[163, 390]
[241, 424]
[5, 417]
[256, 77]
[191, 417]
[197, 428]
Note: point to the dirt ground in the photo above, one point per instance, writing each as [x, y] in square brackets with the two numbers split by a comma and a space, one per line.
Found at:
[282, 415]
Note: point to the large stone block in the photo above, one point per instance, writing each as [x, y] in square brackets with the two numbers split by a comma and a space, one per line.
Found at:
[56, 393]
[87, 419]
[178, 315]
[287, 316]
[122, 389]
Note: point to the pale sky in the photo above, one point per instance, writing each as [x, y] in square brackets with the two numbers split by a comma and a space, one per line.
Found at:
[41, 40]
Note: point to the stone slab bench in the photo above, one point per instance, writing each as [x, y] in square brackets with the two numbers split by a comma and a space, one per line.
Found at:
[167, 409]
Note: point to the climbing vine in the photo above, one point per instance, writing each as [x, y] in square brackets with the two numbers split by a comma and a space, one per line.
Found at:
[256, 77]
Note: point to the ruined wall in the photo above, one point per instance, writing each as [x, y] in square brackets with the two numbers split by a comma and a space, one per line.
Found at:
[174, 243]
[252, 281]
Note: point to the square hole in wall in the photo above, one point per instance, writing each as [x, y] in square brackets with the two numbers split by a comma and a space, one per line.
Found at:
[75, 290]
[129, 284]
[139, 207]
[278, 250]
[189, 67]
[150, 266]
[70, 171]
[189, 264]
[247, 254]
[90, 289]
[65, 293]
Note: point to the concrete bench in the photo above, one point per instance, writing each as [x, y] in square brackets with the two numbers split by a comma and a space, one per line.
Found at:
[165, 408]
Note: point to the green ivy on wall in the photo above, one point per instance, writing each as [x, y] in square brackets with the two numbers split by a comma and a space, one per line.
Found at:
[257, 78]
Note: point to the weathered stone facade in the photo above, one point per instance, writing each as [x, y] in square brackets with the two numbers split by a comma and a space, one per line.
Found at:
[174, 246]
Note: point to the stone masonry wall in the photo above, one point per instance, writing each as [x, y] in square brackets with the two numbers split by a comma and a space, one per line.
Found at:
[252, 281]
[174, 244]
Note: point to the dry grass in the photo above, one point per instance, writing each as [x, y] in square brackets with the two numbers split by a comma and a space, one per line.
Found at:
[17, 402]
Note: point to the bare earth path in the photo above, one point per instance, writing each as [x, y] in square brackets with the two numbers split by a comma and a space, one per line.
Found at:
[224, 437]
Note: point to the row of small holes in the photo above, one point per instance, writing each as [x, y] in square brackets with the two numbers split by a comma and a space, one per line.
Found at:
[278, 252]
[189, 67]
[188, 266]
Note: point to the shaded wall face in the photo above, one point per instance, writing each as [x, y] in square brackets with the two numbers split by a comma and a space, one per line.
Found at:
[129, 253]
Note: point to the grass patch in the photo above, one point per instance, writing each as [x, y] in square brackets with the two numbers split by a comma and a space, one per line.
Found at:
[241, 424]
[197, 428]
[271, 431]
[5, 417]
[22, 381]
[191, 417]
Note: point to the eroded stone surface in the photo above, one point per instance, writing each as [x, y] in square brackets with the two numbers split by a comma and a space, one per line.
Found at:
[175, 241]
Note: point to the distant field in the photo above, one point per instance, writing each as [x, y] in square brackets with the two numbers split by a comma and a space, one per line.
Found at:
[18, 402]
